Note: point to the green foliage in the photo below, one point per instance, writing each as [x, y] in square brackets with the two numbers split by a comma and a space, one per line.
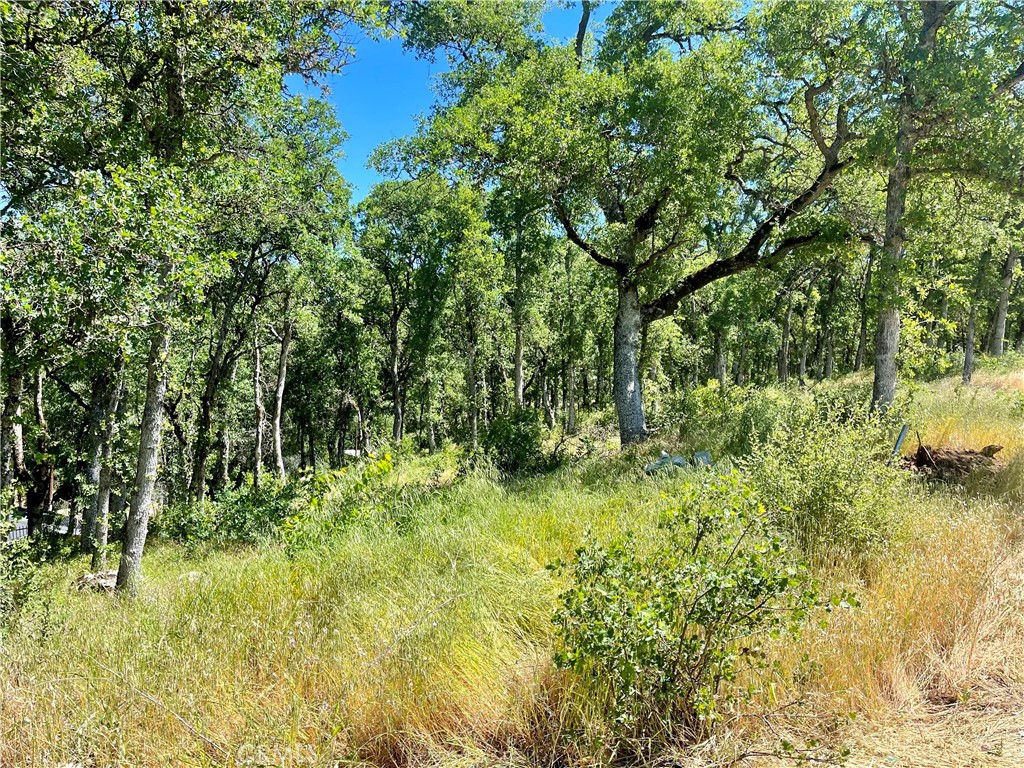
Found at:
[335, 500]
[16, 573]
[656, 631]
[246, 516]
[513, 442]
[823, 472]
[726, 421]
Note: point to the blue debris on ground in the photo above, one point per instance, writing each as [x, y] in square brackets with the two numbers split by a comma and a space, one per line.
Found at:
[668, 462]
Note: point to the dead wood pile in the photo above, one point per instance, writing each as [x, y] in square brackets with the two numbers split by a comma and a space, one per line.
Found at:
[951, 465]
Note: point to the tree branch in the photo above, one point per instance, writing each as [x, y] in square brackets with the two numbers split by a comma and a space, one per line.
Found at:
[751, 253]
[586, 247]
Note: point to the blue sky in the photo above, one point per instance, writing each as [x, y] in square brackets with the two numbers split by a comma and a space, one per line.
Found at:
[380, 94]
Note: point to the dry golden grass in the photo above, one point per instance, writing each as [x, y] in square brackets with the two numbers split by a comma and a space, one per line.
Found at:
[431, 646]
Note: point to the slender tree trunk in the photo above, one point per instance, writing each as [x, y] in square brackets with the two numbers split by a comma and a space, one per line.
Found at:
[204, 433]
[783, 357]
[12, 461]
[282, 373]
[101, 506]
[802, 368]
[261, 412]
[571, 408]
[146, 470]
[972, 320]
[721, 363]
[626, 388]
[471, 382]
[865, 294]
[741, 364]
[518, 364]
[99, 414]
[999, 325]
[545, 401]
[39, 498]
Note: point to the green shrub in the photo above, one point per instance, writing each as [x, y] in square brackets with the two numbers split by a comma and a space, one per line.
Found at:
[244, 516]
[824, 474]
[334, 500]
[513, 441]
[17, 571]
[653, 632]
[726, 421]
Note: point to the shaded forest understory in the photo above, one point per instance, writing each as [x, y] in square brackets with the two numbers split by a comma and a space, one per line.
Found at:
[401, 611]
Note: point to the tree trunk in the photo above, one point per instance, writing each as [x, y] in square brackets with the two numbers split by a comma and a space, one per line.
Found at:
[629, 406]
[783, 358]
[999, 325]
[261, 413]
[741, 364]
[146, 469]
[471, 383]
[887, 333]
[519, 383]
[282, 373]
[972, 320]
[545, 401]
[887, 339]
[12, 460]
[862, 335]
[721, 363]
[101, 506]
[99, 414]
[887, 330]
[802, 367]
[40, 480]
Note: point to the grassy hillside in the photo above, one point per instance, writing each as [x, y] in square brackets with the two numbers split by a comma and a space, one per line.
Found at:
[405, 618]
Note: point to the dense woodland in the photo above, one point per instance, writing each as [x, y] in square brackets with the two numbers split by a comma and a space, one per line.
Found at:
[685, 192]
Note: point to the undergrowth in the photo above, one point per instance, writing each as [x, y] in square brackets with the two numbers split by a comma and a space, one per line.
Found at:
[404, 612]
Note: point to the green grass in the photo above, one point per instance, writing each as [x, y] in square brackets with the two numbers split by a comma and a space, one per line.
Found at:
[423, 635]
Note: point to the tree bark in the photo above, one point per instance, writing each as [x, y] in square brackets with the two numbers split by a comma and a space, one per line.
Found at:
[261, 412]
[471, 382]
[887, 330]
[12, 460]
[783, 357]
[887, 339]
[721, 363]
[137, 526]
[518, 365]
[972, 320]
[98, 416]
[865, 293]
[282, 373]
[101, 506]
[887, 333]
[999, 325]
[40, 480]
[626, 390]
[802, 367]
